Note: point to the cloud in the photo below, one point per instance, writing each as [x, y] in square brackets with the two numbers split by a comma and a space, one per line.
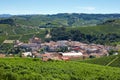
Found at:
[89, 8]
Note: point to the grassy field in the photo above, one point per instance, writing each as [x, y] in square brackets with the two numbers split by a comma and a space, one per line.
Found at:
[35, 69]
[100, 29]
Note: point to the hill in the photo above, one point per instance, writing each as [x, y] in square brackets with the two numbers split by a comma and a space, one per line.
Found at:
[106, 33]
[104, 28]
[5, 15]
[34, 69]
[93, 28]
[64, 19]
[22, 24]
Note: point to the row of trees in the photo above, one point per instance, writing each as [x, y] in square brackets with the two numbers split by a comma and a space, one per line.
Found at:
[63, 34]
[7, 21]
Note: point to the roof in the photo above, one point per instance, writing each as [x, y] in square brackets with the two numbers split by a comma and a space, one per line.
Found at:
[30, 45]
[72, 54]
[8, 41]
[27, 53]
[46, 55]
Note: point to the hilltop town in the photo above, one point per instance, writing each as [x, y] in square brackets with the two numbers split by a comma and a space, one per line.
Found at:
[60, 50]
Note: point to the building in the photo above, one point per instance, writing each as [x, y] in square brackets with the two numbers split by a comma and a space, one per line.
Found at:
[31, 46]
[26, 54]
[2, 55]
[72, 54]
[35, 40]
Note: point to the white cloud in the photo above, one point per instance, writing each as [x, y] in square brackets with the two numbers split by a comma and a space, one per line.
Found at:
[89, 8]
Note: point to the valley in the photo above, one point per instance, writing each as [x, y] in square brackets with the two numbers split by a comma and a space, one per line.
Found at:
[62, 46]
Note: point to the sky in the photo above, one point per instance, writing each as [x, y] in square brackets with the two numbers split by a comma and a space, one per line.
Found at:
[16, 7]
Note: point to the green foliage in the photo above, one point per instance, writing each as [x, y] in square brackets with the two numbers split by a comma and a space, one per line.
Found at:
[7, 21]
[34, 69]
[59, 34]
[102, 34]
[13, 37]
[5, 48]
[91, 56]
[63, 49]
[28, 24]
[23, 27]
[105, 60]
[101, 61]
[111, 52]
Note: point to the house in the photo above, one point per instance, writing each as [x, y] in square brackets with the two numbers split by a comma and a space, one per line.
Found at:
[46, 57]
[36, 54]
[92, 50]
[50, 47]
[76, 48]
[72, 54]
[17, 43]
[26, 54]
[51, 56]
[62, 43]
[2, 55]
[35, 40]
[65, 58]
[118, 47]
[32, 46]
[8, 41]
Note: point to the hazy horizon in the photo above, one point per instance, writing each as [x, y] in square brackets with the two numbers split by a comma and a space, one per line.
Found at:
[58, 13]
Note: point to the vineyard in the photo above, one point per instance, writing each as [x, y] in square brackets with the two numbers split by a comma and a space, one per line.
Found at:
[35, 69]
[113, 61]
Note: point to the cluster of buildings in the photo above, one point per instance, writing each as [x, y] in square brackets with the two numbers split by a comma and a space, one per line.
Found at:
[60, 50]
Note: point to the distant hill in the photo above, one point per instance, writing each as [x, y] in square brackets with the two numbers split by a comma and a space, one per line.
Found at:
[61, 20]
[64, 20]
[5, 15]
[109, 26]
[95, 28]
[86, 23]
[106, 33]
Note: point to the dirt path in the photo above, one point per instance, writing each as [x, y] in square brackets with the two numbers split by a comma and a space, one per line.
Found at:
[112, 61]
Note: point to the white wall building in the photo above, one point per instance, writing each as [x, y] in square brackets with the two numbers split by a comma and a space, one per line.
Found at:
[72, 54]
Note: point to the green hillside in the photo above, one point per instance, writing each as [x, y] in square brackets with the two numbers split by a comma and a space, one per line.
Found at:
[111, 27]
[107, 33]
[14, 32]
[23, 24]
[113, 61]
[101, 29]
[34, 69]
[89, 28]
[64, 19]
[22, 33]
